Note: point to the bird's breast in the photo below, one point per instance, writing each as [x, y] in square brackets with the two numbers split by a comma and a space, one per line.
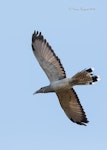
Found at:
[60, 84]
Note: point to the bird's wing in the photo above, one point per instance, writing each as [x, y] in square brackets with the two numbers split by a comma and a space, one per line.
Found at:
[71, 106]
[47, 58]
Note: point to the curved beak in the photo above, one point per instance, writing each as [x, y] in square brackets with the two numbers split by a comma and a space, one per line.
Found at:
[36, 92]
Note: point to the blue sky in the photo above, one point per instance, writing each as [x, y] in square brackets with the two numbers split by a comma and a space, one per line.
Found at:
[77, 31]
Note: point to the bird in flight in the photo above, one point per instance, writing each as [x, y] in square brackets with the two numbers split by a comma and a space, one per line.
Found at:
[59, 83]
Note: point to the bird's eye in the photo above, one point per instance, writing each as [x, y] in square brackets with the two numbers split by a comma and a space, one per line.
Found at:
[42, 89]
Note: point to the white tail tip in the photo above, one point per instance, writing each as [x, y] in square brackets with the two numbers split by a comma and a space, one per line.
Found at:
[92, 68]
[98, 79]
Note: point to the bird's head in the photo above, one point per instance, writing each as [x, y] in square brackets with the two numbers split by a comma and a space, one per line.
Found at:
[45, 89]
[41, 90]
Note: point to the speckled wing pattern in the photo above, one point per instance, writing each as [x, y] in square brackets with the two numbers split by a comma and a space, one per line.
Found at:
[71, 105]
[47, 58]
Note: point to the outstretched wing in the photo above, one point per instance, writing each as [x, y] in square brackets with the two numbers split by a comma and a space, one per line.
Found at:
[71, 106]
[47, 58]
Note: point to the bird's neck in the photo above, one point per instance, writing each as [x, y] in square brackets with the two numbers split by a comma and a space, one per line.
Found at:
[48, 89]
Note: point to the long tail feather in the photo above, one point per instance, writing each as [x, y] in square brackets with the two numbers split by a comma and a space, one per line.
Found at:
[84, 77]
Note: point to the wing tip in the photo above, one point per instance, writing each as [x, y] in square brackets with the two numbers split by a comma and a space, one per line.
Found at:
[36, 35]
[82, 122]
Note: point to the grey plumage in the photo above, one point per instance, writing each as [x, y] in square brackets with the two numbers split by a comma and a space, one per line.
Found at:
[62, 86]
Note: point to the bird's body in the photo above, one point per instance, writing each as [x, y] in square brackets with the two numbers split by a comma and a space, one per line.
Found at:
[62, 86]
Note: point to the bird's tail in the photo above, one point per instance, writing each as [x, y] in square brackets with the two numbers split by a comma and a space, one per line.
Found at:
[84, 77]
